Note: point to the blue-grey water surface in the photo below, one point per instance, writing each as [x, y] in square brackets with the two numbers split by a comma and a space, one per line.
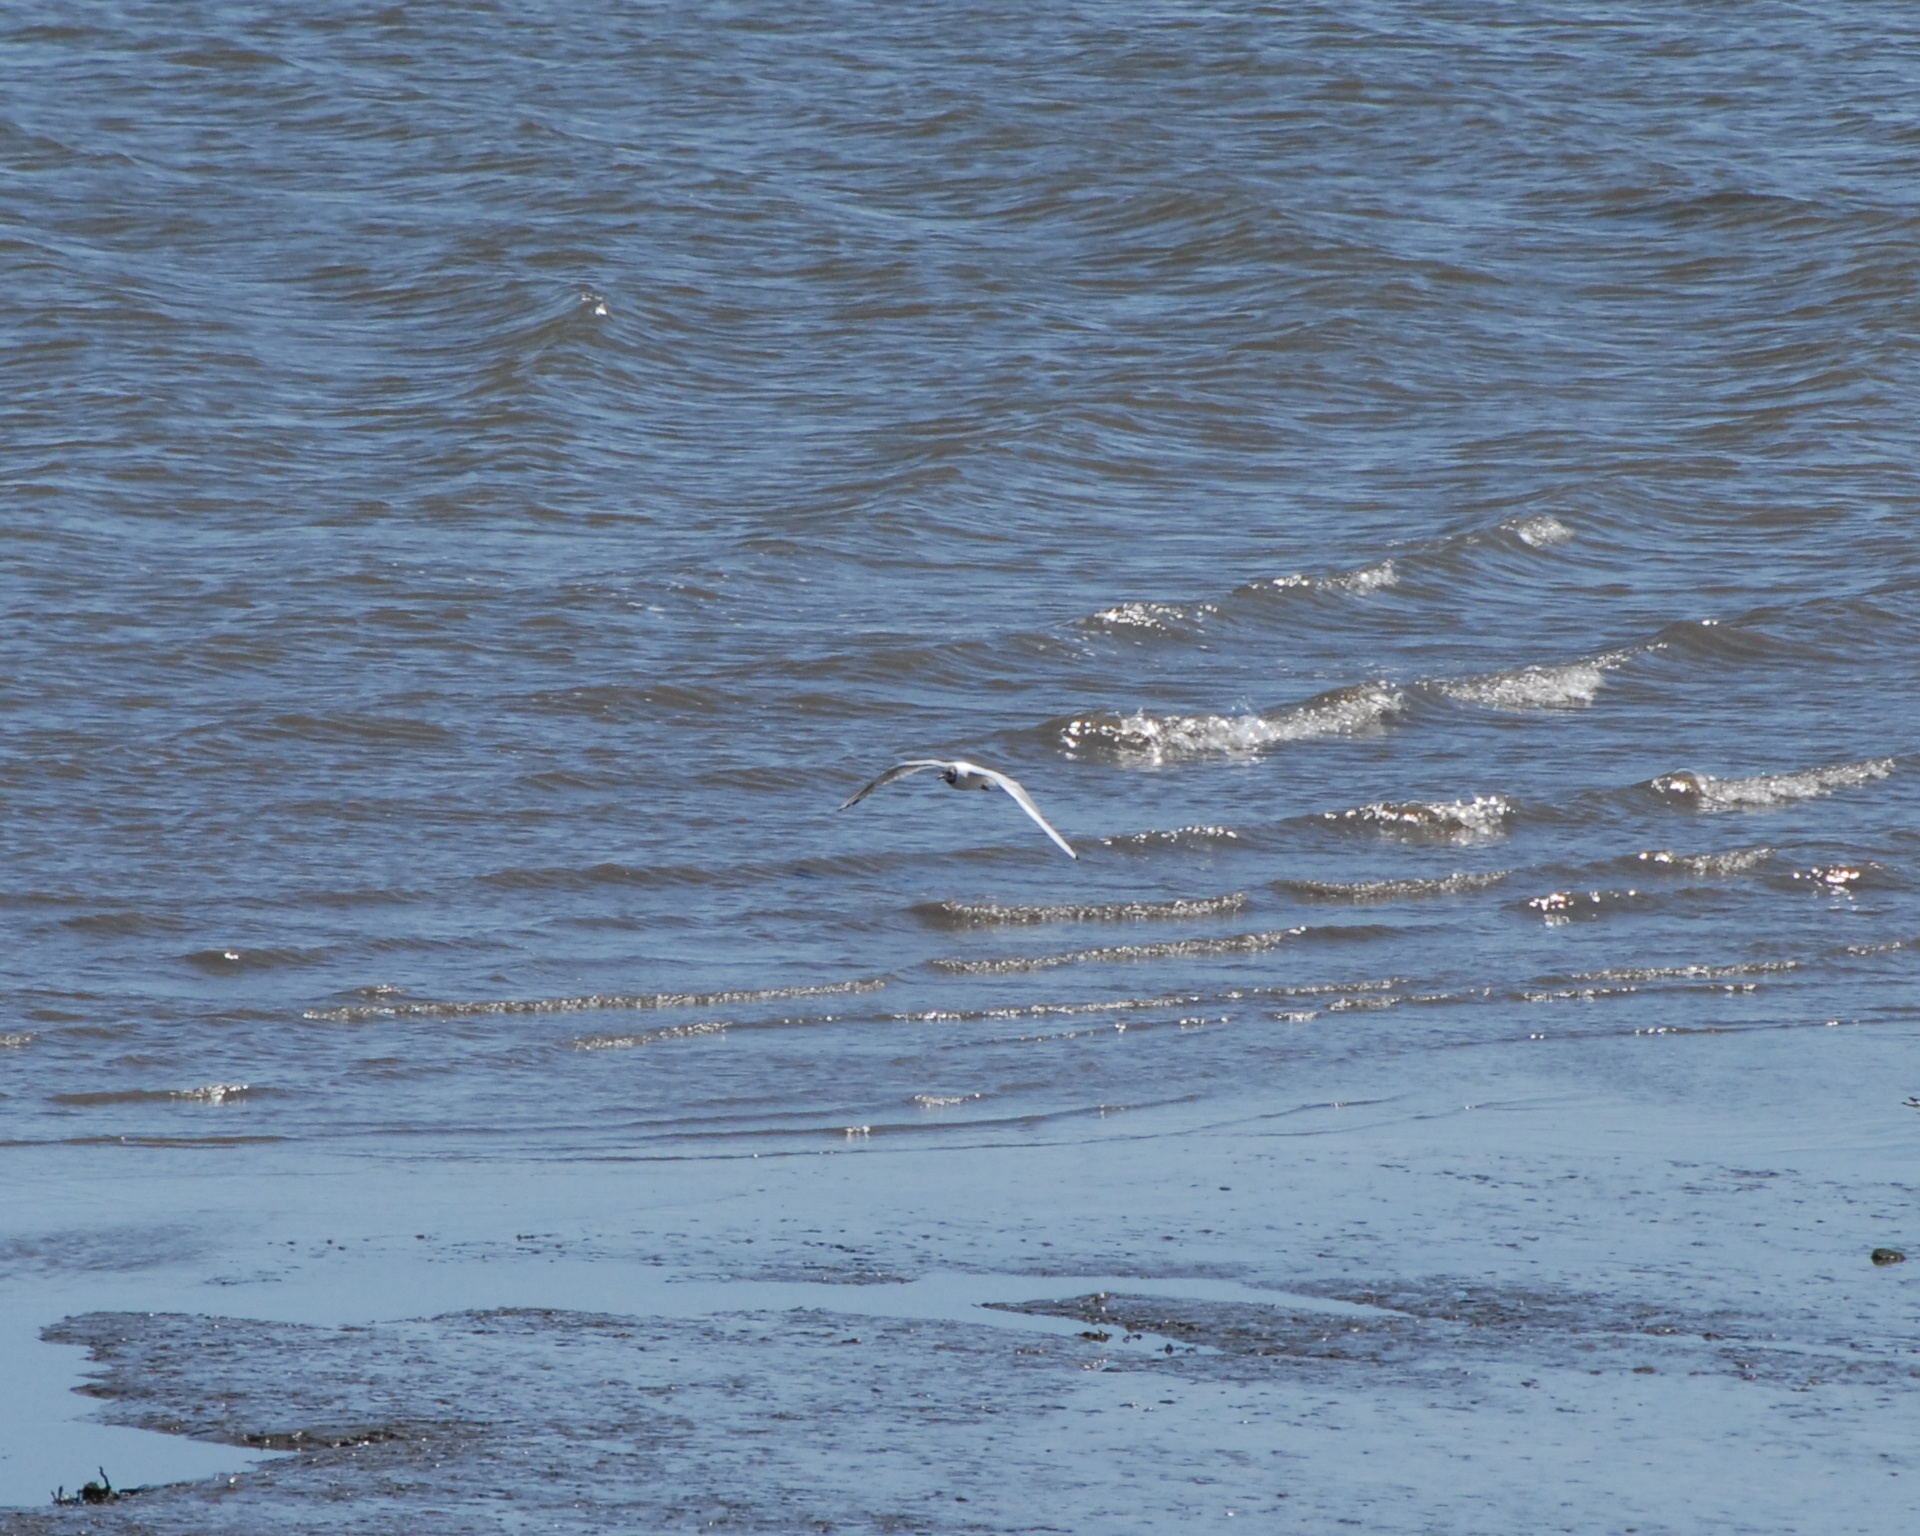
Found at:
[1421, 494]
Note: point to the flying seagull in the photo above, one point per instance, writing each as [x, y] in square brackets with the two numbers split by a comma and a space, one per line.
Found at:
[964, 775]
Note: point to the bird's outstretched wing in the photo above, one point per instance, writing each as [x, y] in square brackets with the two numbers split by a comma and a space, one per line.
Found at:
[1012, 787]
[898, 771]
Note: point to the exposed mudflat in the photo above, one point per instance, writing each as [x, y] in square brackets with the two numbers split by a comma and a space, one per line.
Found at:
[1421, 1320]
[811, 1419]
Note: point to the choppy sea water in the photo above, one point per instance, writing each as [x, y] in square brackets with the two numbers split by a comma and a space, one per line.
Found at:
[1421, 496]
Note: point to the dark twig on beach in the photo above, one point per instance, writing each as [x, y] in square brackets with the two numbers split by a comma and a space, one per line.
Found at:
[102, 1492]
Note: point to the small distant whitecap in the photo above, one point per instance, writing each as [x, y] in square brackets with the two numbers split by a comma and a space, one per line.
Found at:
[1541, 531]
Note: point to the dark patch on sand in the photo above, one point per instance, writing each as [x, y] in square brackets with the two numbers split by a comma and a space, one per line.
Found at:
[1439, 1327]
[807, 1420]
[795, 1422]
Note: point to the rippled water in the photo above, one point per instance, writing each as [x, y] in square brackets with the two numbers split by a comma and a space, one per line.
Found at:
[1421, 495]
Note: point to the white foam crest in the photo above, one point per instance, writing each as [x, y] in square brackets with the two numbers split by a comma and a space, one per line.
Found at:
[1327, 988]
[1447, 820]
[1159, 738]
[1577, 994]
[1044, 1010]
[15, 1042]
[212, 1093]
[628, 1042]
[1687, 972]
[1735, 861]
[1541, 531]
[1571, 685]
[593, 1002]
[1153, 618]
[1238, 944]
[1392, 890]
[1707, 793]
[1368, 578]
[966, 914]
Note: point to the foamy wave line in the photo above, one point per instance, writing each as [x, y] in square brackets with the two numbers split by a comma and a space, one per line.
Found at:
[1736, 861]
[1367, 578]
[1171, 618]
[1155, 618]
[1577, 994]
[1710, 794]
[1238, 944]
[1540, 531]
[594, 1002]
[15, 1042]
[1687, 972]
[1391, 890]
[1880, 949]
[1571, 685]
[1328, 988]
[1155, 738]
[212, 1093]
[1043, 1010]
[628, 1042]
[966, 914]
[1482, 816]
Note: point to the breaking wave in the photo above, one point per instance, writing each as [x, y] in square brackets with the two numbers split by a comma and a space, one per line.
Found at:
[1702, 791]
[594, 1002]
[1238, 944]
[1360, 891]
[1368, 578]
[1572, 685]
[1735, 861]
[1149, 618]
[1688, 972]
[1046, 1010]
[212, 1093]
[628, 1042]
[1541, 532]
[1143, 737]
[1443, 821]
[967, 914]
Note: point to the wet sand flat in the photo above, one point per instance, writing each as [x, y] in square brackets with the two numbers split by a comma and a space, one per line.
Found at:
[1550, 1310]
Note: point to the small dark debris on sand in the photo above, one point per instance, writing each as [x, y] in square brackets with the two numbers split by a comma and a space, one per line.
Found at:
[102, 1492]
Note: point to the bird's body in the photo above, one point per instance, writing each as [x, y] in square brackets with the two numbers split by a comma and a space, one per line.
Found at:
[959, 774]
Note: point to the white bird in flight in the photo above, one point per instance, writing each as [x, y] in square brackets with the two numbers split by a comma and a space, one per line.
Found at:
[964, 775]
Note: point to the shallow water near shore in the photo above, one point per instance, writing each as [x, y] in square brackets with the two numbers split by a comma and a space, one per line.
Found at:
[1423, 501]
[1404, 1310]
